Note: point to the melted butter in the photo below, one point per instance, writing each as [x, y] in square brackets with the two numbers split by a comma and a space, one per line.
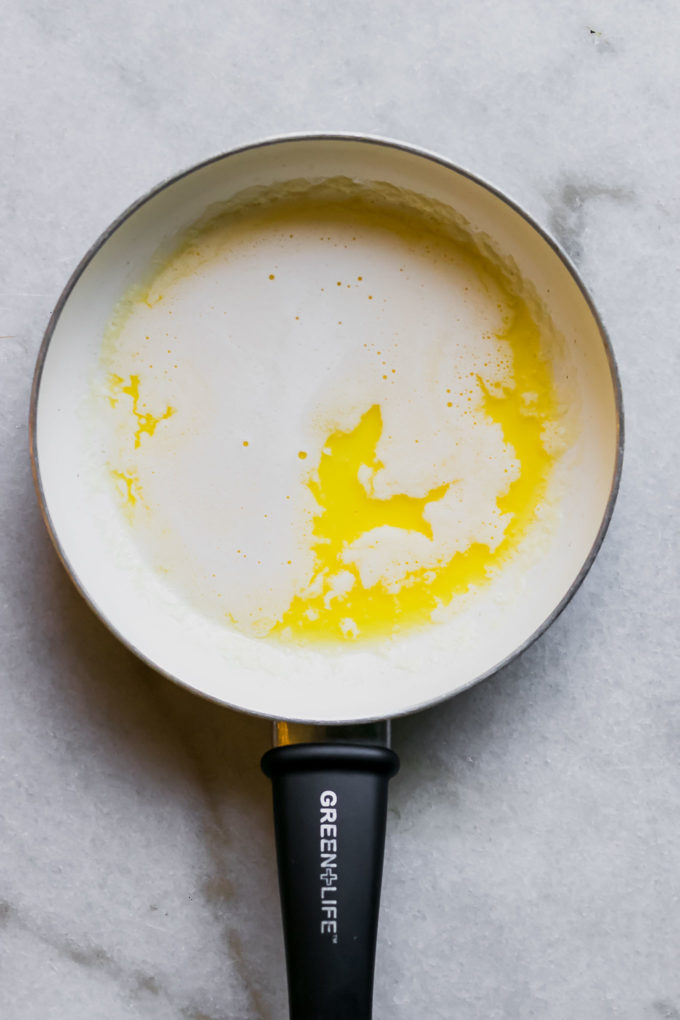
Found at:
[336, 606]
[129, 487]
[147, 423]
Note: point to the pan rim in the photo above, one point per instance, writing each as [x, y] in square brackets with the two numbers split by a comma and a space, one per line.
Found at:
[360, 139]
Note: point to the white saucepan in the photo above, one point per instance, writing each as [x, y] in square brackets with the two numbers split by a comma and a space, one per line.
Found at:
[260, 347]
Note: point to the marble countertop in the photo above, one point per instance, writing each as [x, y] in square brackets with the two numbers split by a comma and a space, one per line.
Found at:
[532, 866]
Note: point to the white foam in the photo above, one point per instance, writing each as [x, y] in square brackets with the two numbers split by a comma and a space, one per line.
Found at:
[263, 344]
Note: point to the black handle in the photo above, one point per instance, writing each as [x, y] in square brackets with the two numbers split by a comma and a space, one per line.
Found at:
[330, 806]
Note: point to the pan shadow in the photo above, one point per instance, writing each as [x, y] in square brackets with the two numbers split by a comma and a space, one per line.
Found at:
[178, 740]
[443, 746]
[113, 705]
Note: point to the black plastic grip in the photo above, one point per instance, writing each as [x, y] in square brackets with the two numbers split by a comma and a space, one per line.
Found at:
[330, 807]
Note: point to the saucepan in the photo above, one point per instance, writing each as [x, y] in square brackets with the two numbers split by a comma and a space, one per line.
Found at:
[326, 429]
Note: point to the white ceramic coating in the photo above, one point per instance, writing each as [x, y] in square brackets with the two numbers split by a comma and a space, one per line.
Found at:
[194, 647]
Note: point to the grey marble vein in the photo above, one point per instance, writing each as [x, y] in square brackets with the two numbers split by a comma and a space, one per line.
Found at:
[667, 1010]
[89, 956]
[568, 217]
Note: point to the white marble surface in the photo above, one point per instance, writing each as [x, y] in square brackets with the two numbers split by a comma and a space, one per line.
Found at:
[533, 863]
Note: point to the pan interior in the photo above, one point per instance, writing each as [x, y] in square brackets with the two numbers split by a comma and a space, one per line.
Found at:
[196, 348]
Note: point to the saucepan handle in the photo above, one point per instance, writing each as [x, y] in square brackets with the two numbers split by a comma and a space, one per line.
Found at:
[330, 807]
